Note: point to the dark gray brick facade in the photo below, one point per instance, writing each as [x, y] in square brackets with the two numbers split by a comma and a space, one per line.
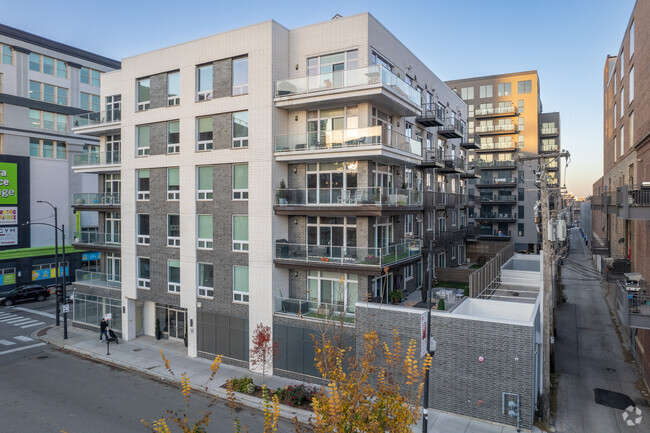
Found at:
[222, 131]
[222, 78]
[158, 95]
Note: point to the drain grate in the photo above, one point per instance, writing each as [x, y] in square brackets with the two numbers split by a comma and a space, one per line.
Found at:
[612, 399]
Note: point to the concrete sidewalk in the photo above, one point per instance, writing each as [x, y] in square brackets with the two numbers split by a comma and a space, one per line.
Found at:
[143, 355]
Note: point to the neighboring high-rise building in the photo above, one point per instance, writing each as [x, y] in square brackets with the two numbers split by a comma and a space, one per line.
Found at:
[43, 83]
[506, 122]
[621, 198]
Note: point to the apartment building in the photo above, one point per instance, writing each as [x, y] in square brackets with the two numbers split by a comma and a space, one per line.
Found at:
[505, 122]
[275, 176]
[621, 198]
[43, 84]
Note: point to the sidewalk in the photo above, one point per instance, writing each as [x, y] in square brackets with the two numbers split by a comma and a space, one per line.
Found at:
[143, 355]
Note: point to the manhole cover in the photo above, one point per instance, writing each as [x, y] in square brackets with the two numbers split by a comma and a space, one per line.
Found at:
[137, 349]
[612, 399]
[611, 370]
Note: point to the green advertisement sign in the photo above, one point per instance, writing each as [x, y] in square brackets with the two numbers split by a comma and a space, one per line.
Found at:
[8, 183]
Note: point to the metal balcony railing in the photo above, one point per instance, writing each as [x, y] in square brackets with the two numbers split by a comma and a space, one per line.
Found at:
[348, 197]
[499, 198]
[496, 216]
[497, 181]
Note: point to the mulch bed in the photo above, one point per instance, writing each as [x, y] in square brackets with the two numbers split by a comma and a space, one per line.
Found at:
[285, 401]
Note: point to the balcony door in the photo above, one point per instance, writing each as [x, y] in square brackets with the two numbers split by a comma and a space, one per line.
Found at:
[112, 228]
[113, 267]
[113, 144]
[383, 232]
[331, 182]
[327, 128]
[333, 237]
[112, 184]
[385, 122]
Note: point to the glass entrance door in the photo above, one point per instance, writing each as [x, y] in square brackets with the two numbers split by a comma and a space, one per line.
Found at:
[176, 323]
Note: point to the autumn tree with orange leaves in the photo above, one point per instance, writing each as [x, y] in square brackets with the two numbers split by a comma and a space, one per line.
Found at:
[264, 351]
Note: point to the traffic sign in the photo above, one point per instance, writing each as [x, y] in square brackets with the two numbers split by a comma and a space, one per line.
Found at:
[66, 308]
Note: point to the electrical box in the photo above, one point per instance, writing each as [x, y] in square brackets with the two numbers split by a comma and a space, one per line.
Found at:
[550, 230]
[561, 230]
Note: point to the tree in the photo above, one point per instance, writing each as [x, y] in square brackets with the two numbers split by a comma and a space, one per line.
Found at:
[265, 351]
[378, 391]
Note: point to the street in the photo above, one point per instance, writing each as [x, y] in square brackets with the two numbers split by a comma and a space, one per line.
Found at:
[48, 390]
[588, 355]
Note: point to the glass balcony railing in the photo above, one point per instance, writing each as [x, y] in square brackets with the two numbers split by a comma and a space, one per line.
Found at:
[100, 239]
[498, 146]
[105, 158]
[350, 78]
[348, 197]
[366, 256]
[495, 110]
[345, 139]
[498, 198]
[498, 163]
[549, 131]
[497, 181]
[489, 233]
[96, 198]
[98, 279]
[315, 309]
[486, 129]
[97, 118]
[497, 216]
[551, 148]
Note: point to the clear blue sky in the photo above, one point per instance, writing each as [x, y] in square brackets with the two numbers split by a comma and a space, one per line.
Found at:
[565, 40]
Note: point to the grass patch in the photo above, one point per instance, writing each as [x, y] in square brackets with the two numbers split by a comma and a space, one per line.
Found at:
[476, 267]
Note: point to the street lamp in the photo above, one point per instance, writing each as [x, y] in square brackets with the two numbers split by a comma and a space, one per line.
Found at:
[56, 255]
[63, 295]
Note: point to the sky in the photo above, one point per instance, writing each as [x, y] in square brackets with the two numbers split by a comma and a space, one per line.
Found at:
[566, 41]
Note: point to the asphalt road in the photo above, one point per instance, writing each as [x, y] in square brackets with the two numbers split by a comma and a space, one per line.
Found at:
[43, 389]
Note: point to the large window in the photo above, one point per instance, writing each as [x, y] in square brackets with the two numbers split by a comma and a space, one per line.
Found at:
[327, 71]
[333, 291]
[47, 149]
[204, 79]
[6, 54]
[205, 232]
[630, 87]
[240, 129]
[173, 184]
[143, 185]
[204, 139]
[144, 133]
[143, 229]
[143, 94]
[240, 232]
[504, 89]
[631, 132]
[525, 86]
[622, 101]
[173, 137]
[173, 276]
[89, 76]
[240, 182]
[48, 93]
[486, 91]
[48, 65]
[144, 272]
[240, 283]
[47, 120]
[89, 102]
[173, 230]
[631, 39]
[206, 280]
[173, 88]
[240, 76]
[204, 182]
[91, 309]
[467, 93]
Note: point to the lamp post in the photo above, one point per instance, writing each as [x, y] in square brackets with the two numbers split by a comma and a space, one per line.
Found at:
[56, 255]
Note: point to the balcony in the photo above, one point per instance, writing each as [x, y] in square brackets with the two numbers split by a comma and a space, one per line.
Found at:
[97, 162]
[549, 148]
[374, 84]
[547, 132]
[313, 309]
[493, 235]
[98, 122]
[443, 200]
[452, 128]
[432, 158]
[373, 201]
[508, 128]
[633, 307]
[496, 165]
[498, 199]
[496, 217]
[470, 171]
[91, 240]
[484, 113]
[98, 279]
[469, 143]
[375, 142]
[96, 201]
[496, 182]
[497, 147]
[632, 201]
[452, 164]
[368, 259]
[432, 115]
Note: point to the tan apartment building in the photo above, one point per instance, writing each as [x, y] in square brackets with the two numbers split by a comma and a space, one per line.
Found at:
[621, 198]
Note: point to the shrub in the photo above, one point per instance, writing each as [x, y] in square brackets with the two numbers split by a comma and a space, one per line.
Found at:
[281, 392]
[299, 394]
[244, 385]
[441, 305]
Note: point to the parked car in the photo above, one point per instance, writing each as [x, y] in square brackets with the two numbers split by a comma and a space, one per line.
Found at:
[27, 292]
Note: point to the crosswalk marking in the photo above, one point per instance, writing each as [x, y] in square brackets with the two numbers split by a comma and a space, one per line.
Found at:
[21, 348]
[6, 343]
[4, 319]
[33, 324]
[21, 321]
[14, 320]
[41, 313]
[22, 338]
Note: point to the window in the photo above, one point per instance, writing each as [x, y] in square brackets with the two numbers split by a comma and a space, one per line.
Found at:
[48, 65]
[521, 124]
[61, 150]
[143, 229]
[173, 88]
[62, 96]
[408, 223]
[47, 120]
[520, 106]
[240, 76]
[430, 221]
[144, 94]
[614, 115]
[204, 141]
[622, 63]
[173, 230]
[173, 137]
[204, 79]
[240, 182]
[378, 60]
[48, 93]
[143, 140]
[240, 232]
[631, 39]
[89, 102]
[205, 232]
[467, 93]
[524, 87]
[34, 90]
[240, 129]
[240, 283]
[143, 185]
[622, 139]
[520, 212]
[206, 280]
[7, 54]
[1, 75]
[173, 184]
[485, 91]
[204, 183]
[173, 276]
[441, 260]
[89, 76]
[408, 273]
[47, 149]
[504, 89]
[630, 87]
[144, 273]
[631, 132]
